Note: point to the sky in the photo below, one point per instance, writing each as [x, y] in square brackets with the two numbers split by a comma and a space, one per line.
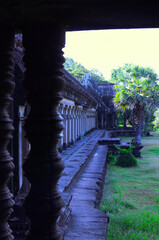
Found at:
[109, 49]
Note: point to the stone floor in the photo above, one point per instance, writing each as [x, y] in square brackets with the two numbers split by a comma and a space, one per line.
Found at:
[80, 186]
[76, 157]
[87, 221]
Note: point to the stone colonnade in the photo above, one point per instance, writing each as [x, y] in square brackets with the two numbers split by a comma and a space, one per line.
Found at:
[78, 121]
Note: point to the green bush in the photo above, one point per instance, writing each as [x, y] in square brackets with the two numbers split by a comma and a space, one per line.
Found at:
[111, 159]
[126, 158]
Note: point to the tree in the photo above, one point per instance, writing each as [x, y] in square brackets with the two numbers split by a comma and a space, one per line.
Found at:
[78, 71]
[136, 88]
[156, 122]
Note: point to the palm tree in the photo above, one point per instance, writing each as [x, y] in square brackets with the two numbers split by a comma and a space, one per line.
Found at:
[136, 87]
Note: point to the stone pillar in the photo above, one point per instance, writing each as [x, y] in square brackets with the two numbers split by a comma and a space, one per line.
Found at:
[60, 143]
[72, 125]
[80, 121]
[87, 123]
[82, 126]
[75, 124]
[65, 116]
[62, 134]
[77, 127]
[44, 60]
[84, 121]
[69, 126]
[89, 120]
[6, 128]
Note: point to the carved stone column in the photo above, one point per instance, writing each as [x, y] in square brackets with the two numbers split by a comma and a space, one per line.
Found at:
[85, 121]
[44, 80]
[65, 132]
[69, 126]
[80, 121]
[76, 121]
[6, 128]
[61, 140]
[73, 125]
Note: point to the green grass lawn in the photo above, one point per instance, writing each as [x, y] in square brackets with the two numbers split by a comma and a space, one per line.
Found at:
[131, 196]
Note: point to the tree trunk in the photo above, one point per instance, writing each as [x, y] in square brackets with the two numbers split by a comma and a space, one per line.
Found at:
[138, 114]
[124, 119]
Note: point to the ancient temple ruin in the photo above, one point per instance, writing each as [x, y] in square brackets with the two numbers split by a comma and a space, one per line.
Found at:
[43, 25]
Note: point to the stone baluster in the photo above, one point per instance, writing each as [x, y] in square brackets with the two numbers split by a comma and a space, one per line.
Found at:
[96, 119]
[61, 140]
[85, 119]
[76, 123]
[44, 80]
[6, 128]
[89, 120]
[72, 125]
[65, 141]
[82, 122]
[92, 119]
[60, 143]
[81, 108]
[69, 126]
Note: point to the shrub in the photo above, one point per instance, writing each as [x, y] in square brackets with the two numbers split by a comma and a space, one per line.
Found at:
[111, 159]
[126, 158]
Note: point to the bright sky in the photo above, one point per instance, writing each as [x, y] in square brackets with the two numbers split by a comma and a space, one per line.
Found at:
[109, 49]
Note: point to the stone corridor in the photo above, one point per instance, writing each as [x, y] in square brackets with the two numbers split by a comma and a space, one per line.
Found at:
[81, 186]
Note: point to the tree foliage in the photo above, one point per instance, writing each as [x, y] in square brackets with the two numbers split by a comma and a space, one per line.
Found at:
[78, 71]
[136, 88]
[135, 84]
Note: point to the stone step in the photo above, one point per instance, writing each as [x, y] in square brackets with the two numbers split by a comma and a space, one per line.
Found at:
[109, 141]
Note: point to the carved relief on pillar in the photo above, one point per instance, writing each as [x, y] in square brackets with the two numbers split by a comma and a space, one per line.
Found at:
[44, 80]
[6, 128]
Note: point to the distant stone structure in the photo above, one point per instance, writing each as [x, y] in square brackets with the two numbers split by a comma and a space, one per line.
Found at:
[104, 94]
